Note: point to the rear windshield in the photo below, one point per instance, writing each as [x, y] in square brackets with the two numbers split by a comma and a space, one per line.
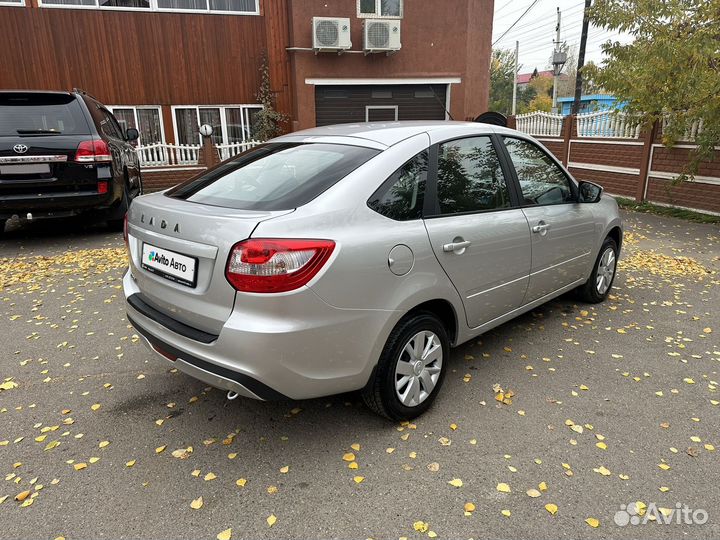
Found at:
[40, 114]
[274, 176]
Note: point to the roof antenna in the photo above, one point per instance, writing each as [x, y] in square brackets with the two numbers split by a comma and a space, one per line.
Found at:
[440, 102]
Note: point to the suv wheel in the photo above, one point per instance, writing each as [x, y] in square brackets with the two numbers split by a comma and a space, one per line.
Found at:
[411, 368]
[597, 288]
[115, 223]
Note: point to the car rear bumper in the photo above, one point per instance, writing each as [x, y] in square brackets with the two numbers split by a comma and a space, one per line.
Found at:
[299, 348]
[63, 203]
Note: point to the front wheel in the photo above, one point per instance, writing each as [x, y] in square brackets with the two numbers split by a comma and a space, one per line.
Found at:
[411, 368]
[597, 288]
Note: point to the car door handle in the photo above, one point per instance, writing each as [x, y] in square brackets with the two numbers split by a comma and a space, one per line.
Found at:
[541, 228]
[456, 246]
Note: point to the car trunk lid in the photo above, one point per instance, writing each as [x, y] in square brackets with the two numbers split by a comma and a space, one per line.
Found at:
[178, 232]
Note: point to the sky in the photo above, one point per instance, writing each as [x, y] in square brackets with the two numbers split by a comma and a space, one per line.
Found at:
[536, 30]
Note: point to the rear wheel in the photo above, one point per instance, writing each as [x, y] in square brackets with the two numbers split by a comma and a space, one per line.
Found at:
[597, 288]
[411, 368]
[115, 222]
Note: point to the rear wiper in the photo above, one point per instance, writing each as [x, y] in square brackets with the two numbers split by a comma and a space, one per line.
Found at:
[39, 132]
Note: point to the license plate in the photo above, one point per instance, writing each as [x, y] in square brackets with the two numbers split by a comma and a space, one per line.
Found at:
[169, 264]
[36, 168]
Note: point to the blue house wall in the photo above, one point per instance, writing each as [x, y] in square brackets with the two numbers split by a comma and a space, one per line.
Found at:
[588, 103]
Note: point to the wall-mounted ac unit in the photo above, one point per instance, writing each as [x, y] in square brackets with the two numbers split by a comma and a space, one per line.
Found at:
[381, 36]
[331, 34]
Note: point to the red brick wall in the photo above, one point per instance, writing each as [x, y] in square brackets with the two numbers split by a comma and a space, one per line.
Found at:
[615, 155]
[673, 160]
[163, 178]
[554, 146]
[615, 183]
[688, 194]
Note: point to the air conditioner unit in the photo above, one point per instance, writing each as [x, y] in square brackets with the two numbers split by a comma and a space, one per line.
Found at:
[381, 36]
[331, 34]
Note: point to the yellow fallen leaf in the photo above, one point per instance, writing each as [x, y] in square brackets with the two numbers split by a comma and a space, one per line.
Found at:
[353, 465]
[22, 495]
[271, 519]
[80, 466]
[542, 486]
[707, 330]
[210, 476]
[358, 479]
[94, 459]
[469, 507]
[533, 493]
[232, 455]
[197, 504]
[8, 385]
[160, 449]
[130, 463]
[602, 470]
[664, 466]
[421, 526]
[95, 407]
[601, 445]
[27, 502]
[503, 487]
[552, 508]
[349, 457]
[505, 513]
[241, 482]
[594, 523]
[103, 444]
[355, 446]
[456, 482]
[224, 535]
[284, 469]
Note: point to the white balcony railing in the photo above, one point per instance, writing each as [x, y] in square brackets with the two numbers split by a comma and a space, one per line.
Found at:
[692, 131]
[540, 123]
[226, 151]
[163, 154]
[608, 124]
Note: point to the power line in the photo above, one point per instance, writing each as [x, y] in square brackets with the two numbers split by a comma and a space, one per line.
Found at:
[516, 21]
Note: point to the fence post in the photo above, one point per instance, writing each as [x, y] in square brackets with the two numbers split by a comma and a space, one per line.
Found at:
[648, 140]
[511, 122]
[207, 153]
[567, 131]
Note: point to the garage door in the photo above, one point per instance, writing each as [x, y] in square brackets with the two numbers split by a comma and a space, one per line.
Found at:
[350, 104]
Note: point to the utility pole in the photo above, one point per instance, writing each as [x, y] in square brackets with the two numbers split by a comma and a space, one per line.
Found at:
[515, 70]
[581, 58]
[559, 59]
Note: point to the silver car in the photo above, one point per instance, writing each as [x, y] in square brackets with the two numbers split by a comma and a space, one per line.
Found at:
[353, 257]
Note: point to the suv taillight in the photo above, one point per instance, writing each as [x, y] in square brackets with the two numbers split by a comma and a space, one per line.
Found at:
[93, 151]
[269, 265]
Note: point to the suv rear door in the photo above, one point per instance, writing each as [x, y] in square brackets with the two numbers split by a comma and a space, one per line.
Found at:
[39, 134]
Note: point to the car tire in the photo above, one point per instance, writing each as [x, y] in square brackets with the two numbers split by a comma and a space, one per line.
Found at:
[598, 287]
[417, 377]
[115, 223]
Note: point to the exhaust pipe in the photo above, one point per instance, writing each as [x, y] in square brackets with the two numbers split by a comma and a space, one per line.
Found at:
[232, 395]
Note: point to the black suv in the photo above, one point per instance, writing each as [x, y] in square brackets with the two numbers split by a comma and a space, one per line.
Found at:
[64, 153]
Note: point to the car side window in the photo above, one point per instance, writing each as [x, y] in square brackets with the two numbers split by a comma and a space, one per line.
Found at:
[402, 195]
[470, 178]
[541, 180]
[109, 126]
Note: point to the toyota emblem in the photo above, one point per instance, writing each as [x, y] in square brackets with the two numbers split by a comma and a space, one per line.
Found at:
[20, 148]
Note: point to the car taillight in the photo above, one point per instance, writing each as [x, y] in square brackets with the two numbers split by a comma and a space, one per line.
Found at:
[125, 229]
[269, 265]
[93, 151]
[102, 187]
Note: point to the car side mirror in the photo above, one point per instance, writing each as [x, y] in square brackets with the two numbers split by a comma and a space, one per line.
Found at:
[589, 192]
[131, 134]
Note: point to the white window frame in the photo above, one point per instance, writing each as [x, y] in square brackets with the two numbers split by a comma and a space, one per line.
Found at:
[21, 3]
[377, 14]
[368, 108]
[135, 109]
[153, 7]
[223, 118]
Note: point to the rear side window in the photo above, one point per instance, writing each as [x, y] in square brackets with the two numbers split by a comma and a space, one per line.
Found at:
[402, 195]
[274, 176]
[470, 178]
[27, 114]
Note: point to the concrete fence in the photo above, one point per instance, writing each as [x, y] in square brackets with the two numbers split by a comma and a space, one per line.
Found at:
[613, 150]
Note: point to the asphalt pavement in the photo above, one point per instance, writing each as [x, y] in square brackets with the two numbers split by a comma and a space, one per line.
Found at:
[609, 405]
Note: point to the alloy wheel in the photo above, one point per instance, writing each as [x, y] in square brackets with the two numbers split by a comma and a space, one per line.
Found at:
[605, 271]
[418, 368]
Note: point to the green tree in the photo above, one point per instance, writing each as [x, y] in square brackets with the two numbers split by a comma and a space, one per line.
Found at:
[268, 122]
[502, 65]
[671, 71]
[537, 96]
